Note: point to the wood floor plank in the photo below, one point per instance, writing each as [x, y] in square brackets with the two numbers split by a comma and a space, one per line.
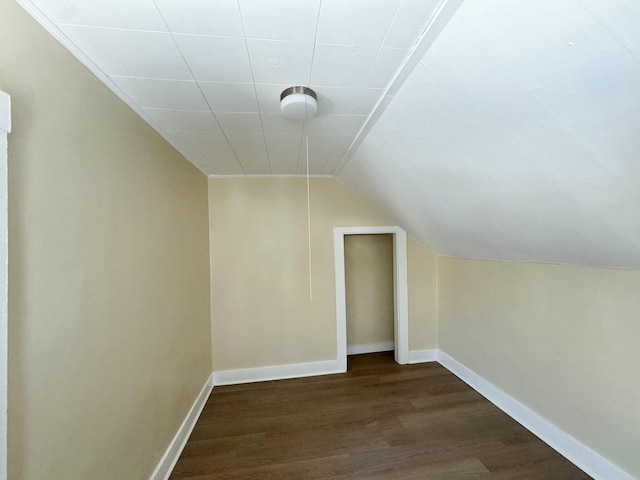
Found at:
[378, 421]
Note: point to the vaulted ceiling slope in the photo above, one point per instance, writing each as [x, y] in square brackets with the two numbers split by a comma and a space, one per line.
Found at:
[517, 136]
[514, 137]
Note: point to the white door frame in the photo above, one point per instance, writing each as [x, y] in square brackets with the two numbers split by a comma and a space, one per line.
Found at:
[400, 291]
[5, 128]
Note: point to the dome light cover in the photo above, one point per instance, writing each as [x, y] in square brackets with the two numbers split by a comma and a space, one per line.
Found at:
[298, 103]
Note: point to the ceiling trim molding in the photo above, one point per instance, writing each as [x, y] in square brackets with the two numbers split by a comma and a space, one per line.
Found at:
[59, 35]
[270, 175]
[436, 24]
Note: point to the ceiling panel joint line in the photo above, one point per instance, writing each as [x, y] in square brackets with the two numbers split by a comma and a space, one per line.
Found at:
[305, 132]
[364, 80]
[434, 26]
[255, 90]
[199, 87]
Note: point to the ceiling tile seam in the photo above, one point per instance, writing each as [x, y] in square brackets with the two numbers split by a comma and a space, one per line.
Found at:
[430, 33]
[255, 90]
[199, 87]
[154, 78]
[379, 47]
[176, 110]
[505, 136]
[606, 29]
[326, 160]
[305, 128]
[102, 27]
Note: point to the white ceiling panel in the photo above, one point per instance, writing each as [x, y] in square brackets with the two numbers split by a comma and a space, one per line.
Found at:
[342, 65]
[251, 155]
[385, 66]
[130, 53]
[288, 20]
[332, 161]
[224, 158]
[163, 119]
[233, 58]
[298, 156]
[275, 123]
[340, 21]
[216, 59]
[269, 97]
[336, 124]
[194, 138]
[255, 166]
[220, 18]
[284, 169]
[284, 142]
[280, 62]
[245, 123]
[347, 101]
[330, 142]
[250, 142]
[410, 21]
[230, 97]
[170, 94]
[138, 15]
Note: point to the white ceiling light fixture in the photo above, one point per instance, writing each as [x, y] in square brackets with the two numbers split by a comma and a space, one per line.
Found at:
[298, 103]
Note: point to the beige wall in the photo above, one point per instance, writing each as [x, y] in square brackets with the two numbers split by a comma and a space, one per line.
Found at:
[422, 277]
[368, 261]
[261, 315]
[562, 340]
[109, 295]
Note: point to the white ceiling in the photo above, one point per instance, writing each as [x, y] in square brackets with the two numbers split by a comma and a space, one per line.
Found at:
[207, 74]
[517, 136]
[497, 129]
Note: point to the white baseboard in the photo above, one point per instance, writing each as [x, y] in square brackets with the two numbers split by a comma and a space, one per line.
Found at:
[574, 451]
[421, 356]
[370, 348]
[279, 372]
[171, 455]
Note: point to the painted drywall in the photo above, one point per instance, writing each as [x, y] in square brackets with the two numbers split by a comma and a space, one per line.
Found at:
[422, 277]
[511, 140]
[261, 314]
[563, 340]
[108, 275]
[368, 261]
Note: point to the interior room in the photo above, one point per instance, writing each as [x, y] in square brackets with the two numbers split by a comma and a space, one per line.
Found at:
[188, 185]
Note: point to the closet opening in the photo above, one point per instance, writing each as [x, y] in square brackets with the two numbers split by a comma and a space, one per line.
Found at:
[371, 340]
[368, 263]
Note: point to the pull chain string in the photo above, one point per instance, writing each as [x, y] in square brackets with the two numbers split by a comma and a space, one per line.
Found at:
[309, 223]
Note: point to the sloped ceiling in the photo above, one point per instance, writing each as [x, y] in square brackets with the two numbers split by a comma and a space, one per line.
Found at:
[207, 74]
[496, 129]
[517, 136]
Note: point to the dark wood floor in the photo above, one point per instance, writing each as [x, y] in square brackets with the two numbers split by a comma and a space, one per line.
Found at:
[379, 421]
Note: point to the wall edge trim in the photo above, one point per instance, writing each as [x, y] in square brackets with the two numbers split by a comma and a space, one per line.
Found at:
[276, 372]
[573, 450]
[370, 348]
[421, 356]
[174, 449]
